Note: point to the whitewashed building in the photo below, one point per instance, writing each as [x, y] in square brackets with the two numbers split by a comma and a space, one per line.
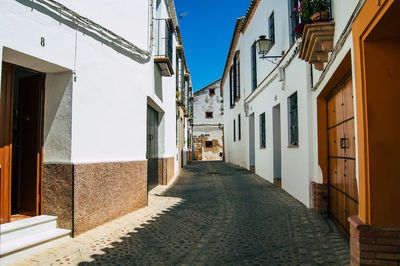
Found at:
[273, 101]
[88, 110]
[256, 96]
[208, 124]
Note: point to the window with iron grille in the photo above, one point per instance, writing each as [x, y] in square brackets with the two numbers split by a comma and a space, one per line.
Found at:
[293, 120]
[237, 76]
[212, 91]
[293, 19]
[209, 144]
[239, 127]
[262, 130]
[271, 31]
[209, 115]
[253, 67]
[234, 130]
[231, 87]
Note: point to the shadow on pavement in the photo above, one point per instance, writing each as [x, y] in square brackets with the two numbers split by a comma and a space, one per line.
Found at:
[229, 216]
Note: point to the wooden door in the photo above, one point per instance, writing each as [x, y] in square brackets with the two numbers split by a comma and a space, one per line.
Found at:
[152, 148]
[29, 143]
[6, 140]
[342, 172]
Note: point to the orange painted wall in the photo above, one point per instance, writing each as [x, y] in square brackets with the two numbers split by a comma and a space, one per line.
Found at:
[377, 75]
[383, 107]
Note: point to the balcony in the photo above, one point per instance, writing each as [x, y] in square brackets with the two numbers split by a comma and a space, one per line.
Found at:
[163, 47]
[316, 43]
[317, 36]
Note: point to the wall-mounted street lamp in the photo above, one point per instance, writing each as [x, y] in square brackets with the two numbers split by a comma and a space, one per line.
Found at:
[263, 46]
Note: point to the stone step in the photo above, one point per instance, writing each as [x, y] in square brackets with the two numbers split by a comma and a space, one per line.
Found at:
[19, 229]
[22, 237]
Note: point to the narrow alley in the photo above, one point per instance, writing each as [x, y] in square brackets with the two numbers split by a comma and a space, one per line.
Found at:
[214, 214]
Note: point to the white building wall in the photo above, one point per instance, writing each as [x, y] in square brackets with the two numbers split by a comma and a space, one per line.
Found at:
[299, 164]
[209, 127]
[112, 87]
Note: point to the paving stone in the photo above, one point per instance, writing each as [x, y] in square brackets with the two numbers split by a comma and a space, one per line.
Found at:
[229, 218]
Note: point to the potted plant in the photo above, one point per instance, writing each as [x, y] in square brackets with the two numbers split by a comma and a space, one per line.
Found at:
[319, 10]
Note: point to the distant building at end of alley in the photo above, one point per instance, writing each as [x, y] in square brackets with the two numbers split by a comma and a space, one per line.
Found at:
[208, 137]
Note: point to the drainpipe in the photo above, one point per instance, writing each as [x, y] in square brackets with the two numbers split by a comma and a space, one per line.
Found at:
[151, 27]
[311, 145]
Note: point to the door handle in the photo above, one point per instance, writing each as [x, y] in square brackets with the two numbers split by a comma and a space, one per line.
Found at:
[343, 143]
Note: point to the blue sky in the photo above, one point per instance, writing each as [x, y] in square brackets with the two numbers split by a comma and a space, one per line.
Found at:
[207, 33]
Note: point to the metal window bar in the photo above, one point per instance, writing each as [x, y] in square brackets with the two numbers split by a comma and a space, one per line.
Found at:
[293, 118]
[163, 39]
[235, 96]
[262, 131]
[253, 67]
[271, 23]
[238, 76]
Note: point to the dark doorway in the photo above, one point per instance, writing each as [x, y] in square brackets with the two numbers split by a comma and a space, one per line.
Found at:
[25, 130]
[152, 148]
[276, 113]
[252, 152]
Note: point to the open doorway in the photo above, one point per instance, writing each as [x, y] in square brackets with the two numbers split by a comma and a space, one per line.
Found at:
[276, 116]
[252, 144]
[22, 142]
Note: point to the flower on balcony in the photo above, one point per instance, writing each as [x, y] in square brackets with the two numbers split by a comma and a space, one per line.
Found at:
[299, 30]
[308, 9]
[303, 10]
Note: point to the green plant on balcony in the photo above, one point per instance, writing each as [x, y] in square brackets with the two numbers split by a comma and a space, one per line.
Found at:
[320, 10]
[309, 11]
[185, 110]
[178, 94]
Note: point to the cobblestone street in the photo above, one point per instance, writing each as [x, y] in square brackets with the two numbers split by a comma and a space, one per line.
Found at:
[215, 214]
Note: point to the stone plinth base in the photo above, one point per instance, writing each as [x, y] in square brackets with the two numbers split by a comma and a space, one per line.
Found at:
[278, 182]
[253, 169]
[373, 245]
[84, 196]
[320, 197]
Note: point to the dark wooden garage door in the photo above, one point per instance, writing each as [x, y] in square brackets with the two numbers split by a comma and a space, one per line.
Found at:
[342, 172]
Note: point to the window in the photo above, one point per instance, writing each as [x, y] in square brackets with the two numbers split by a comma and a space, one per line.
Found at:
[231, 86]
[209, 144]
[236, 66]
[293, 20]
[209, 115]
[253, 67]
[293, 120]
[262, 130]
[234, 80]
[239, 128]
[234, 130]
[271, 32]
[212, 92]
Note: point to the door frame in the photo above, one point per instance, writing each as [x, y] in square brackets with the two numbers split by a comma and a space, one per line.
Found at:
[6, 131]
[252, 142]
[277, 141]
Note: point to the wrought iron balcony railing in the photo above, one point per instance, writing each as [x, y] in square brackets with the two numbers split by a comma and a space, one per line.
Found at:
[163, 46]
[324, 14]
